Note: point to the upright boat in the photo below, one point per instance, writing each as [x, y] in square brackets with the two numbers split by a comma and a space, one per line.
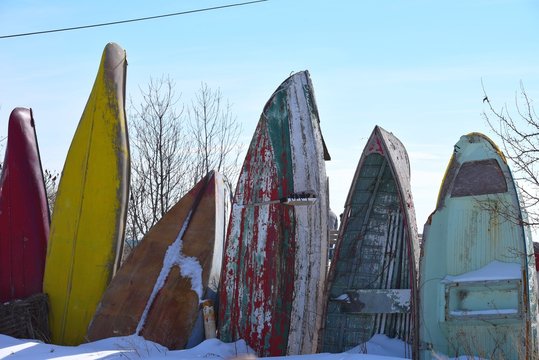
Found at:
[371, 282]
[274, 262]
[158, 291]
[24, 211]
[88, 222]
[477, 280]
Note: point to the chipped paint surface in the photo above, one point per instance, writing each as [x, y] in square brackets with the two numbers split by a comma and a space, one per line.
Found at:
[306, 140]
[274, 261]
[373, 301]
[376, 253]
[88, 223]
[472, 229]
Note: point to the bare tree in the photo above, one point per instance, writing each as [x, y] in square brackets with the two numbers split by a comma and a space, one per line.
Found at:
[171, 151]
[51, 179]
[519, 134]
[160, 160]
[215, 132]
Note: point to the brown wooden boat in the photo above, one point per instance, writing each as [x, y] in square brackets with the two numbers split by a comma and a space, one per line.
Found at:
[158, 290]
[371, 282]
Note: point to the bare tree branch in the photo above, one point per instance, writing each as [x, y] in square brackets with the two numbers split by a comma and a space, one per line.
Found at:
[51, 179]
[215, 132]
[160, 156]
[520, 143]
[171, 152]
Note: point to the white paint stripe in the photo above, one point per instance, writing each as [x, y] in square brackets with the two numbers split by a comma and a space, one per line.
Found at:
[311, 221]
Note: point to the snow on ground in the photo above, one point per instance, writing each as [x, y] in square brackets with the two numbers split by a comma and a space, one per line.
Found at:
[382, 345]
[135, 347]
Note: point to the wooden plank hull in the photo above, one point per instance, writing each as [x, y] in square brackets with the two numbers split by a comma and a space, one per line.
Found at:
[371, 287]
[477, 275]
[24, 212]
[88, 223]
[159, 288]
[275, 255]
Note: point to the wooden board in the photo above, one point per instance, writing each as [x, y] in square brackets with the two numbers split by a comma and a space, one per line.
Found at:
[159, 288]
[373, 270]
[88, 222]
[374, 301]
[477, 280]
[275, 255]
[24, 212]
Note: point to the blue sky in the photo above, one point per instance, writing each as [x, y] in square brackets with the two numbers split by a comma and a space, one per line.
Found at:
[412, 67]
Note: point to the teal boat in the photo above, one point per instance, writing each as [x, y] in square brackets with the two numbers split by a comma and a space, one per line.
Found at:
[477, 279]
[371, 282]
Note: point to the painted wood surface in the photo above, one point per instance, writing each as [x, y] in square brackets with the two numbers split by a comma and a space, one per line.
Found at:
[371, 288]
[88, 222]
[24, 212]
[477, 276]
[168, 275]
[375, 301]
[275, 255]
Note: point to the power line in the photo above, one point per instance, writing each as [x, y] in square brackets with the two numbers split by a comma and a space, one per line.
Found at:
[130, 20]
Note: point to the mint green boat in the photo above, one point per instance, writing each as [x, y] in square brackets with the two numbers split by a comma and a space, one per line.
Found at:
[477, 279]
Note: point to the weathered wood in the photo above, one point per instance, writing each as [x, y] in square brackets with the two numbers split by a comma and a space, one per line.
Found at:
[484, 300]
[374, 301]
[275, 254]
[158, 290]
[376, 252]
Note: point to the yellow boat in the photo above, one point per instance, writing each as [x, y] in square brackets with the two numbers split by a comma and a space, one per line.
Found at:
[88, 223]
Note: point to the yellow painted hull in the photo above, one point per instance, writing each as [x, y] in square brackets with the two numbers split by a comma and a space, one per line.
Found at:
[88, 223]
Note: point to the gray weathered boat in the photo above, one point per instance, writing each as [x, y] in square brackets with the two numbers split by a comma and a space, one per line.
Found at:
[371, 283]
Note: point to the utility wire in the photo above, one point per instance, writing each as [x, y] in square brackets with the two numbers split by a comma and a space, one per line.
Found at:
[130, 20]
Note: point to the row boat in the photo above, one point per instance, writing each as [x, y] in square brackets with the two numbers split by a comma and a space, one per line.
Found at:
[371, 283]
[275, 255]
[159, 288]
[477, 280]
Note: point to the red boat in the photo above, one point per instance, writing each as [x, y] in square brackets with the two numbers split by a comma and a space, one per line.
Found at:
[24, 212]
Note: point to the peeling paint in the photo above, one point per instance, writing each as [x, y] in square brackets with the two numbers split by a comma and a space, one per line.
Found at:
[471, 231]
[274, 261]
[376, 252]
